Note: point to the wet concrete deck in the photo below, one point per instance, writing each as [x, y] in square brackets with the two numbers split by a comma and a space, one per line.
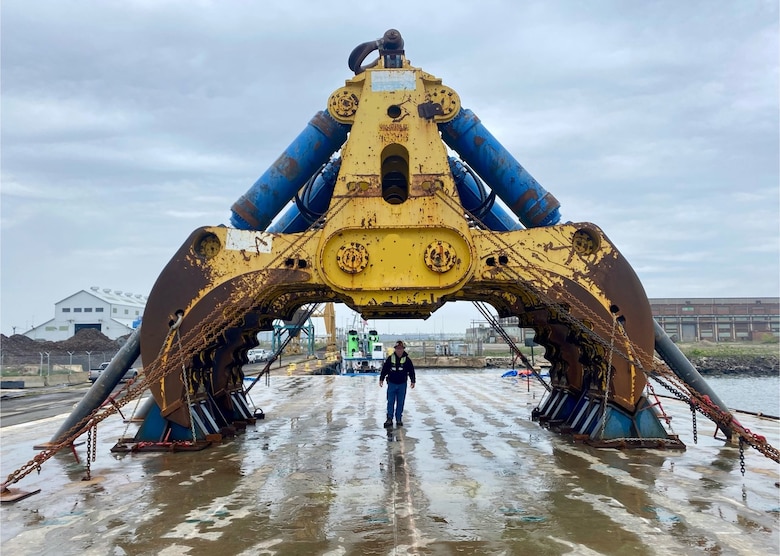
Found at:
[468, 474]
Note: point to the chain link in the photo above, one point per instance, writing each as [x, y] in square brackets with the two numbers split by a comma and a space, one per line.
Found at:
[742, 456]
[89, 455]
[223, 316]
[512, 346]
[693, 420]
[539, 274]
[185, 377]
[666, 377]
[229, 313]
[609, 379]
[702, 403]
[651, 392]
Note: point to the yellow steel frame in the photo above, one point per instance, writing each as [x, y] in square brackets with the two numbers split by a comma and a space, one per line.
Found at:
[396, 243]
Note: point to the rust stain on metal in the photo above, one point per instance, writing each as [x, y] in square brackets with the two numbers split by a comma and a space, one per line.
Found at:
[246, 210]
[529, 196]
[288, 167]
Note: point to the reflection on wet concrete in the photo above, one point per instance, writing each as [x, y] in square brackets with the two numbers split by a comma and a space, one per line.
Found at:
[468, 474]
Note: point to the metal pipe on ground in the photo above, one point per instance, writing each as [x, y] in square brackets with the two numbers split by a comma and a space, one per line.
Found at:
[685, 370]
[103, 386]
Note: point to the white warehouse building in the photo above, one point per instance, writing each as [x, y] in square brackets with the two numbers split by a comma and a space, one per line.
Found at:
[114, 313]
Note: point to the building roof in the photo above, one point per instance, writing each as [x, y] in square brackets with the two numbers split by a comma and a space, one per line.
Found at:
[711, 300]
[114, 297]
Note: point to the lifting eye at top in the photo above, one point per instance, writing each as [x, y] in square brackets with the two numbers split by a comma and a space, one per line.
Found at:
[390, 47]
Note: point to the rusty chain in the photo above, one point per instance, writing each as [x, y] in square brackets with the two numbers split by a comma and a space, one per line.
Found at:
[89, 456]
[662, 374]
[228, 314]
[702, 402]
[608, 380]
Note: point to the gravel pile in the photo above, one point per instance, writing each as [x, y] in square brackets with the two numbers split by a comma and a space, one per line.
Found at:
[87, 339]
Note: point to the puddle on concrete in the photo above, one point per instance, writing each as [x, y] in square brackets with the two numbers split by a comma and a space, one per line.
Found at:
[468, 474]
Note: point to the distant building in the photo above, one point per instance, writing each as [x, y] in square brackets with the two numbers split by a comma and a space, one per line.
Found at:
[114, 313]
[727, 319]
[740, 319]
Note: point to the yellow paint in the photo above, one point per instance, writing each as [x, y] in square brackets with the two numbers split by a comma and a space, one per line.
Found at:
[395, 242]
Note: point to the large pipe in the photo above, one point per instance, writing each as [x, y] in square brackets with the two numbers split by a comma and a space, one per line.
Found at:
[685, 370]
[532, 204]
[316, 199]
[103, 386]
[256, 208]
[472, 197]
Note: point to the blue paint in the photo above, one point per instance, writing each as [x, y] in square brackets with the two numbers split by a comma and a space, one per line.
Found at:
[472, 197]
[155, 428]
[256, 208]
[316, 199]
[532, 204]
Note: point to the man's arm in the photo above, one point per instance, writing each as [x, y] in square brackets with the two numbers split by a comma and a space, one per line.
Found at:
[385, 370]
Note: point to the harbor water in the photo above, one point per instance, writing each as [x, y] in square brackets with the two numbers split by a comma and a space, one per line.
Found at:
[469, 473]
[757, 394]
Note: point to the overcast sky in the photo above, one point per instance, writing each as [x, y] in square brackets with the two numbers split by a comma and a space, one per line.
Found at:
[126, 125]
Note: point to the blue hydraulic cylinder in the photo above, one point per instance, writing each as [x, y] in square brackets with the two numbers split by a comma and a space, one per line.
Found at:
[315, 201]
[472, 199]
[532, 204]
[256, 208]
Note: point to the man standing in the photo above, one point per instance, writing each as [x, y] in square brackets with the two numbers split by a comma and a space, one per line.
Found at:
[397, 369]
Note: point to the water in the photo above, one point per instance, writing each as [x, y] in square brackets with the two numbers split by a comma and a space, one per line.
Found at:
[758, 394]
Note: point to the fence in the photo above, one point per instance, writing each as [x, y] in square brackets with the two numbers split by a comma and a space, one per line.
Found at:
[44, 364]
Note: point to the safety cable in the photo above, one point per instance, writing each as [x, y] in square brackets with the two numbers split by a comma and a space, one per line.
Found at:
[224, 315]
[496, 325]
[305, 315]
[607, 380]
[703, 404]
[229, 313]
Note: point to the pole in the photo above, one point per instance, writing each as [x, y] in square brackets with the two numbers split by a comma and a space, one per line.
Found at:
[685, 370]
[103, 386]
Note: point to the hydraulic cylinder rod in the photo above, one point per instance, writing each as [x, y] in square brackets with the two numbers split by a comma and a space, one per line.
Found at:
[685, 370]
[256, 208]
[532, 204]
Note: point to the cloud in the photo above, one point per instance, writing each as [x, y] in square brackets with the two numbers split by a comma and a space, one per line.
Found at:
[126, 125]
